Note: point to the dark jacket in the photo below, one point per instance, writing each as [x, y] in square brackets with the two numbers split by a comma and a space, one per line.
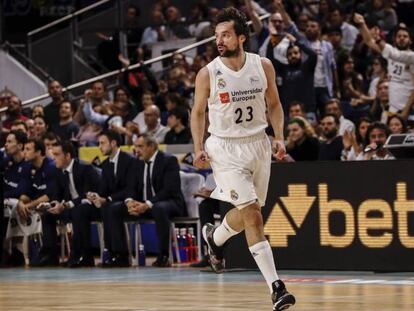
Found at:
[116, 189]
[165, 180]
[85, 178]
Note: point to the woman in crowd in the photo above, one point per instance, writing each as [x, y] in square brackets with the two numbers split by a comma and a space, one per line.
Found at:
[302, 144]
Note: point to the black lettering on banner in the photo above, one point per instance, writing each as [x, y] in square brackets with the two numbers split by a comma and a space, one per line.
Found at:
[239, 115]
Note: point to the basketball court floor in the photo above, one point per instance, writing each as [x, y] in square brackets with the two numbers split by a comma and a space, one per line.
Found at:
[187, 289]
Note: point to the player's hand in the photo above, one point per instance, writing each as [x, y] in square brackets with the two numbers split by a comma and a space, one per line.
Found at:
[23, 210]
[201, 157]
[278, 149]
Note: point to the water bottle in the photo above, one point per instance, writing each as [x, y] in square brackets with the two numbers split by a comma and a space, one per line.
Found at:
[174, 245]
[195, 248]
[105, 255]
[141, 255]
[190, 245]
[182, 245]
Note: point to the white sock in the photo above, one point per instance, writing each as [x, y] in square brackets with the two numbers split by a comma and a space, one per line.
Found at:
[223, 233]
[262, 254]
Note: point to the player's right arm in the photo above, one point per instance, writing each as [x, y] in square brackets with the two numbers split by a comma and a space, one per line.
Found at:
[198, 114]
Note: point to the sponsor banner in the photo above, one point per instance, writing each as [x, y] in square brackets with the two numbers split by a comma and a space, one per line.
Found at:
[338, 216]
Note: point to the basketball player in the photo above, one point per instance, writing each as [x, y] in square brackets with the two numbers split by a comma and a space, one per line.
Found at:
[238, 87]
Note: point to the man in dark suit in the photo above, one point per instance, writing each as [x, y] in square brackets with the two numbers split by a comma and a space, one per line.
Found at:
[68, 203]
[115, 177]
[154, 192]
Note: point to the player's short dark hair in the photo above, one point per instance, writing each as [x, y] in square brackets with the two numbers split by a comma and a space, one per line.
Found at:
[239, 19]
[38, 145]
[112, 136]
[20, 136]
[67, 147]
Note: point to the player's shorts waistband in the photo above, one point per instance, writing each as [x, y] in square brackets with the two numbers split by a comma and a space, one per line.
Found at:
[242, 140]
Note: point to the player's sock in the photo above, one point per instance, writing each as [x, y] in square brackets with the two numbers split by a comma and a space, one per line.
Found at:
[262, 254]
[223, 233]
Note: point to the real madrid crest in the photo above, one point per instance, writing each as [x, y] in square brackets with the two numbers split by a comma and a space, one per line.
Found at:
[221, 84]
[234, 196]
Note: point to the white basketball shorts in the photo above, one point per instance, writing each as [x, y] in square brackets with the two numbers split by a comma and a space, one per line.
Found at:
[241, 168]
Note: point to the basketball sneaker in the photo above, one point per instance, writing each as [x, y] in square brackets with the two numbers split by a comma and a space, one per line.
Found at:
[215, 252]
[281, 298]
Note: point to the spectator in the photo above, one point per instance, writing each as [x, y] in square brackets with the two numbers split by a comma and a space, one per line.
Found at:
[335, 38]
[153, 124]
[148, 99]
[198, 20]
[380, 107]
[302, 144]
[354, 142]
[154, 192]
[40, 127]
[139, 80]
[397, 125]
[380, 11]
[297, 72]
[349, 32]
[178, 123]
[379, 72]
[325, 78]
[354, 102]
[376, 137]
[345, 125]
[331, 148]
[51, 110]
[14, 112]
[175, 29]
[271, 39]
[296, 109]
[155, 32]
[121, 93]
[42, 177]
[172, 101]
[73, 181]
[20, 125]
[116, 174]
[66, 129]
[38, 110]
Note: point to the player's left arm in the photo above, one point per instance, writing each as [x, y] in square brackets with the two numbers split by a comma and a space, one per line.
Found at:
[274, 108]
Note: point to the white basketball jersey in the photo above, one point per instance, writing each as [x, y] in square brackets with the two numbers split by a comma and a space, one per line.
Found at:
[401, 84]
[237, 106]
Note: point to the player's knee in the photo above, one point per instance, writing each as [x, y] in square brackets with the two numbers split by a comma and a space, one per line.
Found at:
[252, 216]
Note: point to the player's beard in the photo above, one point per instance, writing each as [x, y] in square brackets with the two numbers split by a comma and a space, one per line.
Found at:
[231, 53]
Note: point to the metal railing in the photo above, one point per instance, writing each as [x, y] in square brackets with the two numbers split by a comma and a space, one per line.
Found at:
[131, 67]
[68, 26]
[68, 17]
[11, 49]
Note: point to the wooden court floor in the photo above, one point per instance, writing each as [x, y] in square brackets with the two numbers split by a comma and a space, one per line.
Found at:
[182, 289]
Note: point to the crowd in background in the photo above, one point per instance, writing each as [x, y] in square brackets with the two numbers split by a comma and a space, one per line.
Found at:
[342, 94]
